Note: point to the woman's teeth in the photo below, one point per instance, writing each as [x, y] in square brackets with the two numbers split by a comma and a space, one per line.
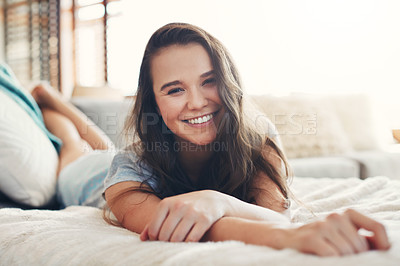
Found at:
[201, 120]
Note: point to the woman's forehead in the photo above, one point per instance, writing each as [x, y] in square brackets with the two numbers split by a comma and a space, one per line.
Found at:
[178, 61]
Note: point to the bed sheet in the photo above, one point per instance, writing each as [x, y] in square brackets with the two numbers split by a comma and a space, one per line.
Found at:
[79, 236]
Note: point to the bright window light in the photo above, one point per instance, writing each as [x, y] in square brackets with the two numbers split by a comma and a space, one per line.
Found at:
[88, 2]
[114, 8]
[91, 12]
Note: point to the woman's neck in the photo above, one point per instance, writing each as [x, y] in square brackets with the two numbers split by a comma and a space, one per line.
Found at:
[194, 158]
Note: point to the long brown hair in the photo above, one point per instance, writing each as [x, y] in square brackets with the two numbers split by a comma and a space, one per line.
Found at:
[233, 168]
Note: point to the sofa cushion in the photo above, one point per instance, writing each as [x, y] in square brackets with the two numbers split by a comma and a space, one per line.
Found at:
[307, 128]
[333, 167]
[362, 121]
[108, 115]
[358, 117]
[377, 163]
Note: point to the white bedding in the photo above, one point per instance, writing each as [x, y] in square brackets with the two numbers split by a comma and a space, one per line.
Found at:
[79, 236]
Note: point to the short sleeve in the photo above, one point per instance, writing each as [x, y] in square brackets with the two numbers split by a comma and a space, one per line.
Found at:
[126, 167]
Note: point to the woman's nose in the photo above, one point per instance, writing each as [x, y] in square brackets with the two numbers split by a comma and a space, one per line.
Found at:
[197, 99]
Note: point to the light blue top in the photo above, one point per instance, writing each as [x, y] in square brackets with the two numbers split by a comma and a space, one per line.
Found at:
[126, 167]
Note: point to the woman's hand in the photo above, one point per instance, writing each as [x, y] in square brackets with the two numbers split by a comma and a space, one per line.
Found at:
[186, 217]
[338, 235]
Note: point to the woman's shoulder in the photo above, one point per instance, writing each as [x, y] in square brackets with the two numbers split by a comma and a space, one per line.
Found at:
[129, 158]
[126, 155]
[127, 166]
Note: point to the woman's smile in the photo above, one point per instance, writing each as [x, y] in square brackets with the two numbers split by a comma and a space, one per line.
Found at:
[202, 120]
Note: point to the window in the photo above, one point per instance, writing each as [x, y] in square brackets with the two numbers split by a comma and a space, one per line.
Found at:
[95, 25]
[41, 37]
[32, 39]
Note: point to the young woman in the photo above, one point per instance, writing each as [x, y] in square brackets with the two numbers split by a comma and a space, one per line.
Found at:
[173, 184]
[197, 169]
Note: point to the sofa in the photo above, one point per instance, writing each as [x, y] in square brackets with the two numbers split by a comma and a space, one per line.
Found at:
[323, 136]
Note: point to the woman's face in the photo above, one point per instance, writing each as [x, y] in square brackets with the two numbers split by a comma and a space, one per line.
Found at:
[185, 89]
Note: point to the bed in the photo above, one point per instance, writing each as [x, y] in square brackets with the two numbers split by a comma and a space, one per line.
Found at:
[78, 235]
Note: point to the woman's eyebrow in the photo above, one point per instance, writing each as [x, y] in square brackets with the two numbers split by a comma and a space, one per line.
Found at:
[172, 83]
[208, 73]
[177, 82]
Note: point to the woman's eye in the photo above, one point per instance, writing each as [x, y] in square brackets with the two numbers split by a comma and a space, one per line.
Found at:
[175, 90]
[209, 81]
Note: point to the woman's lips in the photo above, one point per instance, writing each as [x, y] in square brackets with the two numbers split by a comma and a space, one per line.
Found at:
[201, 120]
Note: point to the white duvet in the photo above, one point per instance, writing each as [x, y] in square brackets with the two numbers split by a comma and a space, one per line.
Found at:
[79, 236]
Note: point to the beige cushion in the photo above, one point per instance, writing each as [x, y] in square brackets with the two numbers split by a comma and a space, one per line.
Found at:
[307, 127]
[356, 114]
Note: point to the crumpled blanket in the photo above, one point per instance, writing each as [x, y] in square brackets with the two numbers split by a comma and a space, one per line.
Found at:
[79, 236]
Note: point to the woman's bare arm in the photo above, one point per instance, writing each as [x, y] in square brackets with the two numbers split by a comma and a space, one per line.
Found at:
[337, 235]
[134, 210]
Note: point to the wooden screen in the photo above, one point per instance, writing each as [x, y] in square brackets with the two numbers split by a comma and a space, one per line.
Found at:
[32, 39]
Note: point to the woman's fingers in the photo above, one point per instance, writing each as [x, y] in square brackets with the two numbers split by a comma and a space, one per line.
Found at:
[358, 243]
[197, 232]
[311, 238]
[340, 243]
[379, 240]
[338, 235]
[190, 208]
[325, 249]
[169, 226]
[172, 217]
[191, 228]
[344, 235]
[156, 222]
[145, 234]
[182, 230]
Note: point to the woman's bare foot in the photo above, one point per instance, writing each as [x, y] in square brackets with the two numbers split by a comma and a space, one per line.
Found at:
[47, 97]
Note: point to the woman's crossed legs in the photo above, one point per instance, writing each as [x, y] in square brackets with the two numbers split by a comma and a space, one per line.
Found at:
[77, 132]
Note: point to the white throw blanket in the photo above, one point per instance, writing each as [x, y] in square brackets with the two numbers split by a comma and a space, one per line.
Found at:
[79, 236]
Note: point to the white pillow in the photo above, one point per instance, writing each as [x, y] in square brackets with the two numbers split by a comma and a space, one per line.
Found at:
[307, 128]
[28, 159]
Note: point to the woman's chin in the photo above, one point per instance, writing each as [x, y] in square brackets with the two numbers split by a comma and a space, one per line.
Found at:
[202, 142]
[196, 141]
[194, 145]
